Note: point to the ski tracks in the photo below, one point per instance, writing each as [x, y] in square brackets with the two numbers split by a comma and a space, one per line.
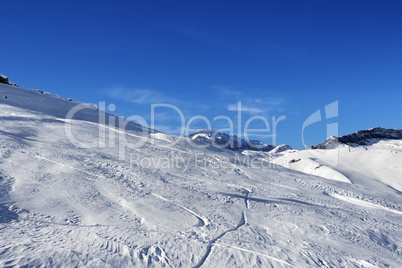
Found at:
[242, 222]
[202, 220]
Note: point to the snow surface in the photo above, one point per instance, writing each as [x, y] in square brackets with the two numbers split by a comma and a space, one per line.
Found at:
[281, 148]
[366, 165]
[64, 205]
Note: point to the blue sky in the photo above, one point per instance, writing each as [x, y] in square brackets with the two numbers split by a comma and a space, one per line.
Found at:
[279, 58]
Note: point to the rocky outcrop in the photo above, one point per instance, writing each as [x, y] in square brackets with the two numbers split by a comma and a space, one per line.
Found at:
[362, 137]
[4, 80]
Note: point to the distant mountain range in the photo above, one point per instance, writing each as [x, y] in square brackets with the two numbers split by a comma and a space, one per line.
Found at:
[233, 142]
[362, 137]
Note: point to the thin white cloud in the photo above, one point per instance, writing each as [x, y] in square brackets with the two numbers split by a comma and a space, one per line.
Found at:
[168, 121]
[257, 105]
[261, 104]
[225, 92]
[243, 108]
[140, 96]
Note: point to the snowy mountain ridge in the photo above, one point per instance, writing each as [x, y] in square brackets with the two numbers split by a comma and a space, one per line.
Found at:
[231, 142]
[369, 155]
[362, 137]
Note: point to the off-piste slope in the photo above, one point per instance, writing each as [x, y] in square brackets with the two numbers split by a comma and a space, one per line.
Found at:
[377, 164]
[67, 201]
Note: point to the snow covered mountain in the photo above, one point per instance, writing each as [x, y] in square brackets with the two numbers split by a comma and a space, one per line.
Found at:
[227, 141]
[79, 193]
[364, 157]
[281, 148]
[362, 137]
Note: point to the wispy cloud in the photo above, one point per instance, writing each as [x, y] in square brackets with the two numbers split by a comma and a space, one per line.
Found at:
[262, 104]
[224, 103]
[140, 96]
[243, 108]
[256, 105]
[225, 92]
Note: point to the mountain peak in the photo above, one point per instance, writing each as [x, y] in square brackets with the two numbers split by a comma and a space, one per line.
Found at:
[227, 141]
[361, 137]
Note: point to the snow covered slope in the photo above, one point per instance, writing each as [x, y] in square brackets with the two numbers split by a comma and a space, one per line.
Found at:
[361, 137]
[381, 161]
[170, 205]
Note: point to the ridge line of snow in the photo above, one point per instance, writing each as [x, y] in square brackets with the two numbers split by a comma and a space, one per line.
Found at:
[363, 203]
[199, 217]
[64, 165]
[255, 252]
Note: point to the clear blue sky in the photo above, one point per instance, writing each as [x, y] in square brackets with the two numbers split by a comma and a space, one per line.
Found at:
[278, 57]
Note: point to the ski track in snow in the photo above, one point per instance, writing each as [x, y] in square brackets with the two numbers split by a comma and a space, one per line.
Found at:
[202, 220]
[257, 253]
[64, 165]
[364, 203]
[242, 222]
[246, 200]
[210, 245]
[213, 242]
